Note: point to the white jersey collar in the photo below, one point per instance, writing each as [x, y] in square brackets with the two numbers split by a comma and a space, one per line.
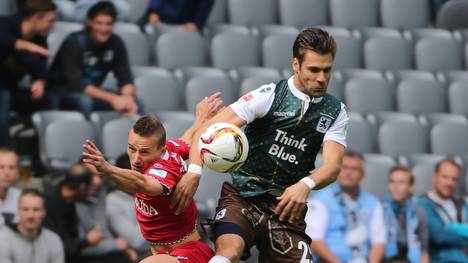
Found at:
[299, 94]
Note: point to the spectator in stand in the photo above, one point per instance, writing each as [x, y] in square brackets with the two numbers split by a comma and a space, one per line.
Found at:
[28, 241]
[83, 62]
[191, 14]
[23, 52]
[447, 215]
[75, 10]
[9, 195]
[345, 223]
[121, 215]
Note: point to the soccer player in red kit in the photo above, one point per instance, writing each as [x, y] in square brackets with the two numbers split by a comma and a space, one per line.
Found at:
[157, 166]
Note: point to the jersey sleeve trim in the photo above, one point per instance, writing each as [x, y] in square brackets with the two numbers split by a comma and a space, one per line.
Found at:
[255, 104]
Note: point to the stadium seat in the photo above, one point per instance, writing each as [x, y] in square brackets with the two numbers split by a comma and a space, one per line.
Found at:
[138, 47]
[452, 15]
[68, 27]
[358, 91]
[388, 53]
[139, 71]
[458, 93]
[122, 27]
[336, 87]
[376, 169]
[378, 118]
[422, 178]
[99, 119]
[361, 136]
[402, 138]
[426, 158]
[436, 118]
[209, 191]
[420, 33]
[8, 7]
[400, 75]
[418, 96]
[277, 51]
[303, 13]
[138, 9]
[186, 74]
[55, 40]
[360, 73]
[176, 127]
[404, 14]
[228, 28]
[348, 52]
[269, 30]
[255, 82]
[114, 137]
[428, 59]
[61, 156]
[450, 139]
[352, 14]
[252, 12]
[243, 73]
[42, 119]
[166, 116]
[449, 76]
[218, 13]
[200, 87]
[233, 50]
[159, 93]
[179, 49]
[336, 31]
[375, 32]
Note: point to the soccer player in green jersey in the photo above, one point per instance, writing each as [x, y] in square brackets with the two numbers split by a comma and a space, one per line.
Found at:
[288, 122]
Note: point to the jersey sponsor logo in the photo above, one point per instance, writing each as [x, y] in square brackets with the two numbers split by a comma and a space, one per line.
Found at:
[221, 214]
[158, 173]
[284, 114]
[145, 208]
[247, 97]
[323, 124]
[283, 140]
[108, 56]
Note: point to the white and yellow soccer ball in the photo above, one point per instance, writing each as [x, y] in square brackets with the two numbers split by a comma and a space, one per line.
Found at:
[223, 147]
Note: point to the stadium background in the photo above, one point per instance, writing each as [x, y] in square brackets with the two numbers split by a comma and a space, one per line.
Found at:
[400, 70]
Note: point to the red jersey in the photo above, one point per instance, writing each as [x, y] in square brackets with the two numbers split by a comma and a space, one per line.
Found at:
[158, 223]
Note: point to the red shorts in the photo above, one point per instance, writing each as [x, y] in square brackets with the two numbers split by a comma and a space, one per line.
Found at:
[192, 252]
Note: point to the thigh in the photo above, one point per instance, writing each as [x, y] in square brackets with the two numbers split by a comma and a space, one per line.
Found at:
[193, 252]
[284, 242]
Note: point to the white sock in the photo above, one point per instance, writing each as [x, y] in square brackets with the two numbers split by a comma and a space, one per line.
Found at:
[219, 259]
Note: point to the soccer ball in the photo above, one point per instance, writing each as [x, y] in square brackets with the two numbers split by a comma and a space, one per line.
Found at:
[223, 147]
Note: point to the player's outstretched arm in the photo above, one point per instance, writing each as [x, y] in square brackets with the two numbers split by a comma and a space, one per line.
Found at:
[187, 186]
[127, 180]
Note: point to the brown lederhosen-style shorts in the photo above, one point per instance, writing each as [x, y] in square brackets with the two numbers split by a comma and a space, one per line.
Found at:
[276, 241]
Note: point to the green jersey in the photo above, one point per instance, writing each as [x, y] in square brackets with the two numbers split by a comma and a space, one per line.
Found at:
[285, 140]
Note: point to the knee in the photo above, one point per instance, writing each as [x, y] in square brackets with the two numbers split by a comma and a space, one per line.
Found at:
[229, 247]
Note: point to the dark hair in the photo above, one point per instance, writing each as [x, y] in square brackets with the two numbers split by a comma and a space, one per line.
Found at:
[314, 39]
[150, 125]
[74, 179]
[32, 192]
[102, 8]
[402, 169]
[123, 161]
[353, 154]
[449, 161]
[33, 7]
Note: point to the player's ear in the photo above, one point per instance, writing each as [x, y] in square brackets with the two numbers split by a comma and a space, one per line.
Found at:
[295, 65]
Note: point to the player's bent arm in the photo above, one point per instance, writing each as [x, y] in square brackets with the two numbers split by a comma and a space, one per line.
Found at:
[226, 115]
[135, 182]
[327, 173]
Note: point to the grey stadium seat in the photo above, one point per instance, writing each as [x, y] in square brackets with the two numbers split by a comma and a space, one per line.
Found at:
[357, 13]
[404, 14]
[303, 13]
[61, 156]
[200, 87]
[418, 158]
[138, 9]
[176, 127]
[277, 51]
[402, 138]
[180, 49]
[269, 30]
[458, 93]
[449, 76]
[138, 48]
[376, 169]
[255, 82]
[420, 33]
[450, 138]
[358, 92]
[428, 59]
[452, 15]
[400, 75]
[336, 31]
[378, 118]
[388, 53]
[243, 73]
[139, 71]
[159, 93]
[358, 73]
[233, 50]
[121, 27]
[228, 28]
[252, 12]
[336, 87]
[422, 178]
[218, 13]
[99, 119]
[65, 26]
[436, 118]
[348, 52]
[55, 40]
[42, 119]
[209, 191]
[186, 74]
[361, 136]
[114, 137]
[418, 96]
[376, 32]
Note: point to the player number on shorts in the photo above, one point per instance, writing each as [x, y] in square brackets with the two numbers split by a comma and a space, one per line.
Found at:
[303, 246]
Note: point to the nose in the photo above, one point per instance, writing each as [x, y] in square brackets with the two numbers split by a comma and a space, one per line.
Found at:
[321, 76]
[136, 158]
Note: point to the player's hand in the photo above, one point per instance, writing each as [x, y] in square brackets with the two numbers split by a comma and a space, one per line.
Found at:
[132, 254]
[208, 107]
[119, 103]
[93, 156]
[37, 89]
[184, 192]
[292, 202]
[94, 236]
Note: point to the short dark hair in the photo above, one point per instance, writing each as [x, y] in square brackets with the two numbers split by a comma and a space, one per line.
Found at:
[32, 192]
[402, 168]
[74, 179]
[449, 161]
[102, 8]
[314, 39]
[33, 7]
[150, 125]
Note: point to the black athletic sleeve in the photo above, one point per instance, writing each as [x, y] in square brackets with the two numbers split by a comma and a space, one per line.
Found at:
[121, 67]
[69, 65]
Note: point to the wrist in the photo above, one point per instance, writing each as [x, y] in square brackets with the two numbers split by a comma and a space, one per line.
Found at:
[309, 182]
[195, 169]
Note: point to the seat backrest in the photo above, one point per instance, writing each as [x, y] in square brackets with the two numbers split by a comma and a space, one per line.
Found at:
[303, 13]
[421, 96]
[159, 93]
[277, 50]
[358, 91]
[422, 178]
[427, 58]
[200, 87]
[218, 13]
[233, 50]
[452, 15]
[348, 52]
[361, 136]
[269, 30]
[376, 169]
[137, 45]
[450, 138]
[115, 136]
[388, 53]
[176, 127]
[252, 12]
[357, 13]
[402, 138]
[256, 82]
[458, 92]
[209, 191]
[178, 49]
[403, 14]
